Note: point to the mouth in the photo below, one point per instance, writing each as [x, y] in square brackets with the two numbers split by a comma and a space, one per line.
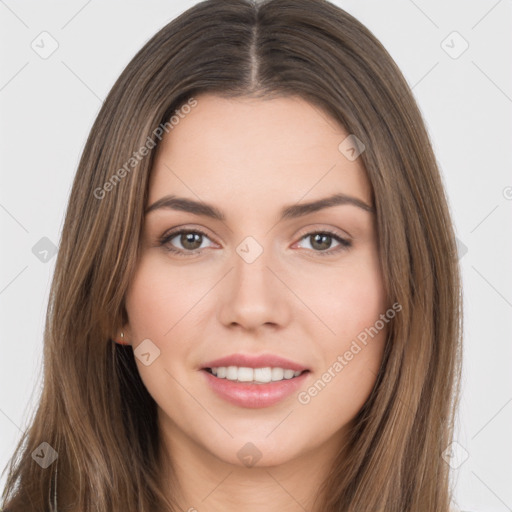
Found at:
[254, 388]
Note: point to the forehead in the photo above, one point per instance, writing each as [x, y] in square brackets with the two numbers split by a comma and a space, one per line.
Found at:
[256, 150]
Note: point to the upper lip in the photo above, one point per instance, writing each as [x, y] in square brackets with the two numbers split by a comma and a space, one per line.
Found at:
[255, 361]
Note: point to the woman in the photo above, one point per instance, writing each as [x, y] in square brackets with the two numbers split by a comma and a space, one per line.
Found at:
[256, 302]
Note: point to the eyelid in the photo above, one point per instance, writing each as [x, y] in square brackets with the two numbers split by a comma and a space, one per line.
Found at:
[176, 230]
[322, 228]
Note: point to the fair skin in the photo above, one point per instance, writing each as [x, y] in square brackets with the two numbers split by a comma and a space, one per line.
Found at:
[301, 299]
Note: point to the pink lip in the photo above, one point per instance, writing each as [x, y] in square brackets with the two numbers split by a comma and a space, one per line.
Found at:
[251, 395]
[251, 361]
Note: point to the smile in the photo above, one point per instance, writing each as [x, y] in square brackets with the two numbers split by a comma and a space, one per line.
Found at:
[254, 388]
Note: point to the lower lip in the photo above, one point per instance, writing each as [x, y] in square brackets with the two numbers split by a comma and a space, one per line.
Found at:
[254, 396]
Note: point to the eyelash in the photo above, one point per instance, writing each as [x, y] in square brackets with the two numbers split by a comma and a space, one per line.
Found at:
[164, 240]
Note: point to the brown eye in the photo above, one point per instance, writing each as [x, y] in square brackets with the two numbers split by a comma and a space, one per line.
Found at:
[321, 242]
[185, 242]
[191, 240]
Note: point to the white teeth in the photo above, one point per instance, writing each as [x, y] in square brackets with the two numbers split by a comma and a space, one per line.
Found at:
[244, 374]
[232, 373]
[263, 374]
[277, 374]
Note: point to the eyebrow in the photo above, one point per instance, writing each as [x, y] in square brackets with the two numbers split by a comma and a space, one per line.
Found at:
[288, 212]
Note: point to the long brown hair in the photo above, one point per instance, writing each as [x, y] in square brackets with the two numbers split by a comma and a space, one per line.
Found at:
[94, 410]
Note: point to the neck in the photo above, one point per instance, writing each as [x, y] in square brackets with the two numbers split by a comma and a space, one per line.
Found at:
[204, 483]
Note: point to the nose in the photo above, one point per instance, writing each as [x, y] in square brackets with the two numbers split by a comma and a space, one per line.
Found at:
[252, 296]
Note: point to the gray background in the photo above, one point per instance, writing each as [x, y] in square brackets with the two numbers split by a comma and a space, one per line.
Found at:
[48, 106]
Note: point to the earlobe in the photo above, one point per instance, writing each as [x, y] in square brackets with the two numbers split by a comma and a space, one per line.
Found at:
[121, 339]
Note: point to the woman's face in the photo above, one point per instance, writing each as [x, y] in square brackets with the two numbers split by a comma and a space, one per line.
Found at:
[257, 273]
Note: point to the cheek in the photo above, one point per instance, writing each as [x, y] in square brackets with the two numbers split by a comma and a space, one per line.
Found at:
[361, 300]
[160, 297]
[157, 304]
[350, 306]
[161, 302]
[348, 298]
